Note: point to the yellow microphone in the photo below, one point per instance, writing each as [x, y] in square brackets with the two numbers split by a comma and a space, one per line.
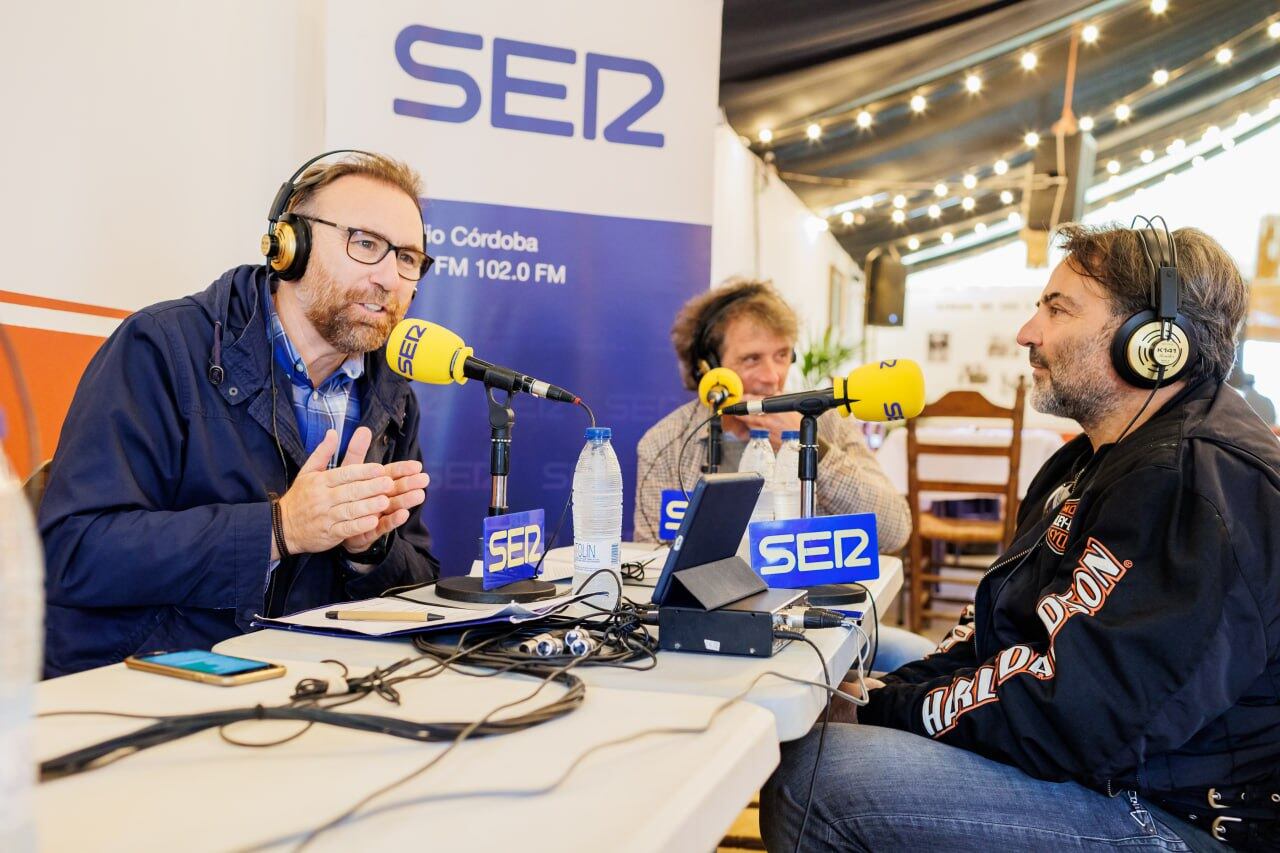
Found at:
[889, 390]
[426, 352]
[719, 387]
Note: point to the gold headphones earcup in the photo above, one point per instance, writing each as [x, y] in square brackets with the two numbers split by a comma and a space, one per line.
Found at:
[1139, 350]
[288, 246]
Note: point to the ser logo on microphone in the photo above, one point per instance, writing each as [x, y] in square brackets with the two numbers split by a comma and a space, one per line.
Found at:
[409, 348]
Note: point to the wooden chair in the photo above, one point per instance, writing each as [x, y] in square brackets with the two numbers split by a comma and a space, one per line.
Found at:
[928, 528]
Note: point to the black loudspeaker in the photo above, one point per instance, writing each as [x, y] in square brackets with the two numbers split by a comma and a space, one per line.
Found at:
[1069, 167]
[886, 288]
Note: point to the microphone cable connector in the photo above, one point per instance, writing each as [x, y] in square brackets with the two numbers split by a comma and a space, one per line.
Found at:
[810, 617]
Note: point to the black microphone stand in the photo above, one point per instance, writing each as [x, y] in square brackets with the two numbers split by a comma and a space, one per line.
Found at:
[715, 440]
[470, 588]
[808, 465]
[827, 594]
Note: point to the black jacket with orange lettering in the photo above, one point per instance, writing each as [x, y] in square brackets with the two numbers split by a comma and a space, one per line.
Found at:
[1130, 638]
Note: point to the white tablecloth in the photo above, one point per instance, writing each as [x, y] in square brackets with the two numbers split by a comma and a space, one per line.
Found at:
[1037, 446]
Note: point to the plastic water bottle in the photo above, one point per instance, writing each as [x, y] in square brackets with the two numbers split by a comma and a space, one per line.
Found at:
[786, 477]
[21, 613]
[758, 458]
[597, 519]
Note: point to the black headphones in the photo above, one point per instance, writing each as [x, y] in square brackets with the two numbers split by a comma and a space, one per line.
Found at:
[1156, 346]
[704, 356]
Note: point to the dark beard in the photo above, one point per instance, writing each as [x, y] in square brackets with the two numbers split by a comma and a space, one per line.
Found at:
[1079, 385]
[329, 310]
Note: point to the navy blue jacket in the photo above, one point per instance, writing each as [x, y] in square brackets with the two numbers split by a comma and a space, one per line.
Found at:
[156, 520]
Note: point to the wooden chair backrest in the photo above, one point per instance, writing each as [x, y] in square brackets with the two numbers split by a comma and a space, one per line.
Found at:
[969, 404]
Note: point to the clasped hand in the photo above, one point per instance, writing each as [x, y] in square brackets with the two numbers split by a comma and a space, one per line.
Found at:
[353, 504]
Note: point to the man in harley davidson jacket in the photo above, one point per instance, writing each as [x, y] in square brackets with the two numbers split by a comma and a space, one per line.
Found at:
[1119, 684]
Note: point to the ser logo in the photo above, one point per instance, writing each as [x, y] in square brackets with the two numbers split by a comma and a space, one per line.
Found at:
[671, 514]
[807, 551]
[512, 546]
[504, 82]
[408, 349]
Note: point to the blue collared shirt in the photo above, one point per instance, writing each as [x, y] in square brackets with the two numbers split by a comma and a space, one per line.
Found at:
[334, 405]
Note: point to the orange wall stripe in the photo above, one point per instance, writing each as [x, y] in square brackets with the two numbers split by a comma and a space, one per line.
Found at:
[52, 382]
[62, 305]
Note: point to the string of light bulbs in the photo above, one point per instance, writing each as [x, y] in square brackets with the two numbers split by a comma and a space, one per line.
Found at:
[972, 81]
[997, 177]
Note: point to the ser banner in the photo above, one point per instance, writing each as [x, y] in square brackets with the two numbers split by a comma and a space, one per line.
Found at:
[566, 150]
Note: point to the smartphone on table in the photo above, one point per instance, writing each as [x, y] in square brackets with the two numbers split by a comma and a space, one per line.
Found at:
[207, 667]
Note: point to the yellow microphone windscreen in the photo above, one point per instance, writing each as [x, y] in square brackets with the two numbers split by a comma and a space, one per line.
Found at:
[426, 352]
[889, 390]
[720, 377]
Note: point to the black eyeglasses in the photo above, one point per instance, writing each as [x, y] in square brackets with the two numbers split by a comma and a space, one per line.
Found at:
[370, 248]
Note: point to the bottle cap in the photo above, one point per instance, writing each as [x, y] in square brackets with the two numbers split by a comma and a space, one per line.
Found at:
[759, 433]
[597, 433]
[791, 435]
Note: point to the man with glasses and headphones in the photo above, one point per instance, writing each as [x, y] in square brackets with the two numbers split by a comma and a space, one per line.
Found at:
[1118, 682]
[247, 450]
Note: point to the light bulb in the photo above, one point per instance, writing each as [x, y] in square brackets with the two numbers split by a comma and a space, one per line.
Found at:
[1089, 34]
[918, 103]
[970, 181]
[765, 135]
[940, 190]
[813, 131]
[1123, 112]
[947, 237]
[1113, 166]
[1160, 77]
[1147, 155]
[898, 217]
[864, 119]
[1028, 60]
[1001, 167]
[973, 83]
[1223, 56]
[1015, 219]
[1086, 123]
[934, 211]
[913, 243]
[1159, 7]
[967, 202]
[1032, 139]
[847, 217]
[899, 201]
[980, 228]
[1006, 197]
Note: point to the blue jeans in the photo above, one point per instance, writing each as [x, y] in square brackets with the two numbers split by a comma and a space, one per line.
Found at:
[898, 646]
[887, 790]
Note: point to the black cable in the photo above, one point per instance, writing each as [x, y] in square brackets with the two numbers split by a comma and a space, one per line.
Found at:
[590, 413]
[683, 447]
[644, 479]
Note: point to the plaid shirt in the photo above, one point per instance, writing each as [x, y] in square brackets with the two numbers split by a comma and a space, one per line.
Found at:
[334, 405]
[849, 478]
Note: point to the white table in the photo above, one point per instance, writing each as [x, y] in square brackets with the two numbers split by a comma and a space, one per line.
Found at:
[658, 793]
[794, 706]
[1037, 446]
